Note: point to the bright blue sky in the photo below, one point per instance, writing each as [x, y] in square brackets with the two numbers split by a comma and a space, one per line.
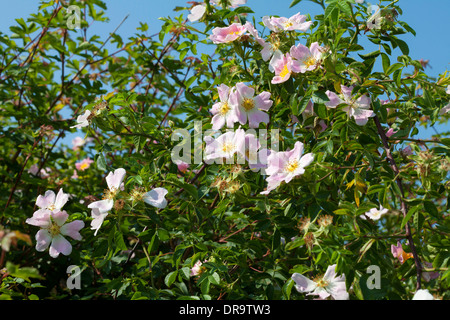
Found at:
[429, 18]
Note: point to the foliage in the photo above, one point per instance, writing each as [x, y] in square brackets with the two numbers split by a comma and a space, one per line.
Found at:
[143, 89]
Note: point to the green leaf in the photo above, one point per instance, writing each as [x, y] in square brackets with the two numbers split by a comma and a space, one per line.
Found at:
[23, 273]
[293, 3]
[170, 278]
[101, 162]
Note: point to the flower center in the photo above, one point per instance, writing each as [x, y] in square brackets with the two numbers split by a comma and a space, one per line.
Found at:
[228, 147]
[288, 24]
[284, 72]
[51, 207]
[310, 62]
[292, 166]
[224, 108]
[54, 230]
[84, 166]
[110, 194]
[248, 104]
[322, 283]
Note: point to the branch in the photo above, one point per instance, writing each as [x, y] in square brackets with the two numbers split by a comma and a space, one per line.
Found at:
[404, 208]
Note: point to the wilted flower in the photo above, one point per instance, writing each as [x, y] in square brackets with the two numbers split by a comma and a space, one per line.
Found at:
[397, 252]
[53, 227]
[323, 286]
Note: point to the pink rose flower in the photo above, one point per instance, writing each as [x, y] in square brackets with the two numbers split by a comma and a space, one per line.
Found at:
[83, 165]
[53, 229]
[227, 34]
[356, 108]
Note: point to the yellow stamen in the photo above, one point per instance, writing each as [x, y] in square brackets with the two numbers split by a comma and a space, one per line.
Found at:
[284, 72]
[248, 104]
[292, 166]
[224, 108]
[310, 62]
[54, 229]
[227, 147]
[110, 194]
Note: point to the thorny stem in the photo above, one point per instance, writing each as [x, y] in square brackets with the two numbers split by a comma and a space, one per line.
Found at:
[404, 208]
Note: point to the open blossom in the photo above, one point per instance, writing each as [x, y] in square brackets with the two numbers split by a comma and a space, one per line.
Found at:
[284, 166]
[50, 202]
[375, 214]
[82, 120]
[250, 107]
[53, 229]
[306, 59]
[227, 34]
[282, 66]
[100, 209]
[328, 285]
[223, 111]
[296, 22]
[356, 108]
[83, 165]
[397, 252]
[156, 198]
[226, 145]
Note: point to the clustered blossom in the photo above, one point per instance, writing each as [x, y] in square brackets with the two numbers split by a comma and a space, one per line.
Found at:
[323, 286]
[240, 104]
[52, 220]
[114, 180]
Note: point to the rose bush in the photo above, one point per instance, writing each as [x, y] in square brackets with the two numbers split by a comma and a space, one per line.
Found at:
[226, 157]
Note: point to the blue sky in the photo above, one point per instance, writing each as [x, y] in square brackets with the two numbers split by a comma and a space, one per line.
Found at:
[428, 18]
